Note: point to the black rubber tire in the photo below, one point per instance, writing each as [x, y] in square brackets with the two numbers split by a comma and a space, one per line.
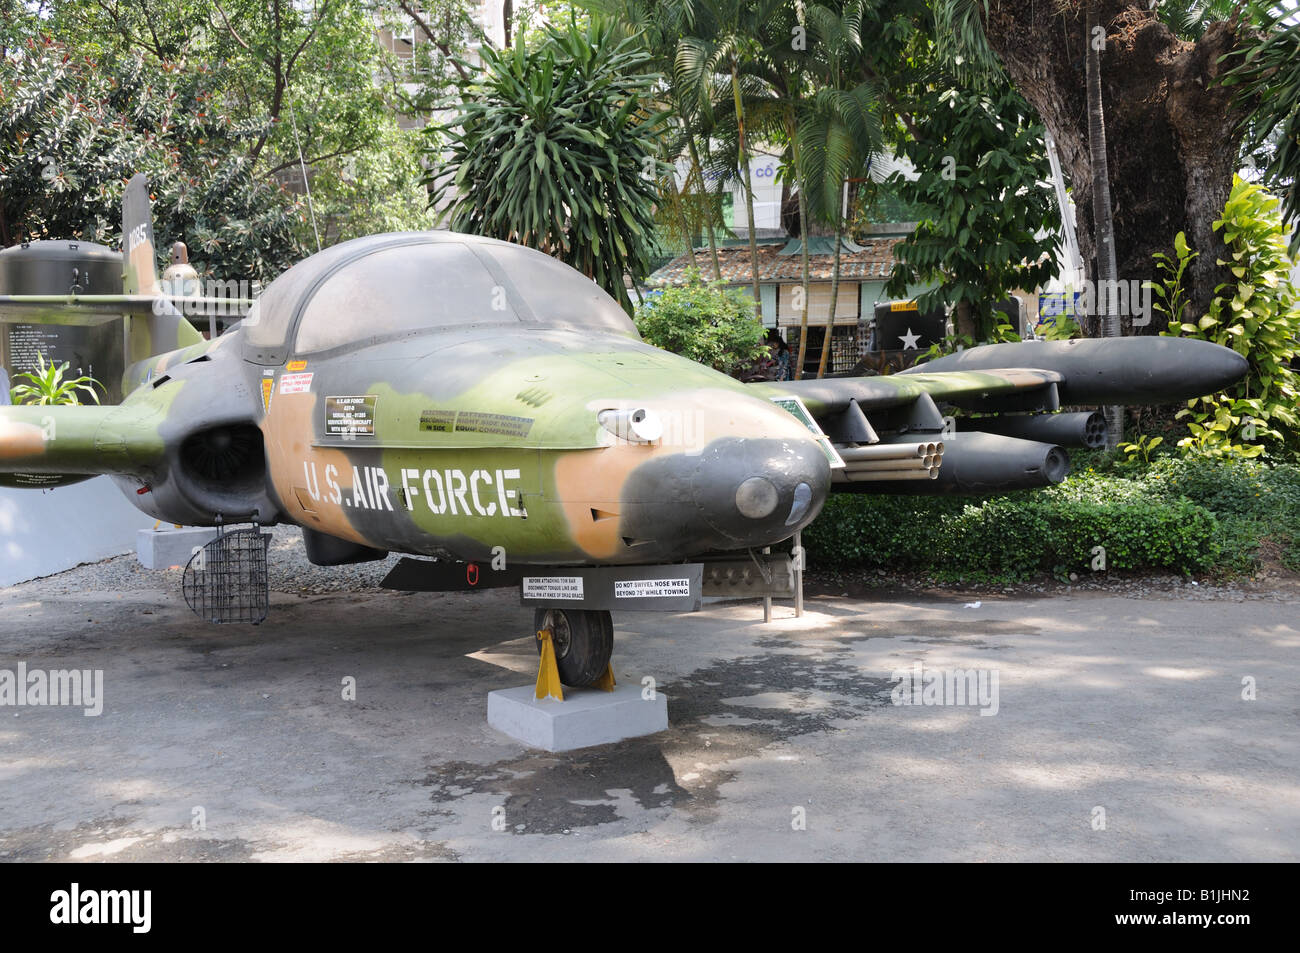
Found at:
[584, 642]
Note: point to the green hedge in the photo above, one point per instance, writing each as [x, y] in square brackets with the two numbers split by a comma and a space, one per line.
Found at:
[1180, 514]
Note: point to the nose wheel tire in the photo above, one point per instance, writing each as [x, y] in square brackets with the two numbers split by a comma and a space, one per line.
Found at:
[583, 640]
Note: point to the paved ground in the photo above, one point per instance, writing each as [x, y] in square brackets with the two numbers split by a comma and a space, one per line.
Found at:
[1131, 706]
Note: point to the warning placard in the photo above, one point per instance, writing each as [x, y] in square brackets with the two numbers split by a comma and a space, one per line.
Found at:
[295, 383]
[552, 587]
[652, 588]
[350, 415]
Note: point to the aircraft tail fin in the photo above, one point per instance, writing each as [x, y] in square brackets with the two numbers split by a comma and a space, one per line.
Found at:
[164, 328]
[139, 254]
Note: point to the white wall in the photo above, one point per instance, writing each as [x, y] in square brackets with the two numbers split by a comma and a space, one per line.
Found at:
[47, 531]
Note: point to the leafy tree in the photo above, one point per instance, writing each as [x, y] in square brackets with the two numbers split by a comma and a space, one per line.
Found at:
[73, 131]
[1270, 61]
[992, 223]
[378, 189]
[1172, 128]
[287, 73]
[710, 324]
[1257, 314]
[553, 147]
[723, 43]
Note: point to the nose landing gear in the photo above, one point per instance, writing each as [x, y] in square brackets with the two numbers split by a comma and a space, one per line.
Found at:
[575, 646]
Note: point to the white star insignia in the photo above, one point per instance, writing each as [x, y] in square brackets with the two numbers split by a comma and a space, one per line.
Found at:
[909, 340]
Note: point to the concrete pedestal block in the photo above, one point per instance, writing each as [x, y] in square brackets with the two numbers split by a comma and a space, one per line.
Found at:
[586, 717]
[164, 548]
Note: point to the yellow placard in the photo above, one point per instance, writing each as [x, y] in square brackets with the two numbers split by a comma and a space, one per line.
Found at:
[295, 366]
[902, 306]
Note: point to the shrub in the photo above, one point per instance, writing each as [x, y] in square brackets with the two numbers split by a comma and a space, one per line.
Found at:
[1257, 314]
[1013, 536]
[711, 324]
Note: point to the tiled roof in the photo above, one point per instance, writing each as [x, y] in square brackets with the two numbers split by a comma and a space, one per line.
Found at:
[873, 263]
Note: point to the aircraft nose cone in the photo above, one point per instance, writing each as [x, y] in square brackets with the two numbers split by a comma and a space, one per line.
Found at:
[754, 492]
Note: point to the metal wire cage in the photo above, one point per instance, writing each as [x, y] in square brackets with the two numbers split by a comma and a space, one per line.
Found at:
[226, 581]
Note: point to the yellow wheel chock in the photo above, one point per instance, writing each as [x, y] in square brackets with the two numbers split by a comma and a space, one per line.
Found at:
[548, 673]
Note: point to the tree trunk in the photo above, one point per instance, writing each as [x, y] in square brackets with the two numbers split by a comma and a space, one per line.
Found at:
[687, 236]
[699, 177]
[1172, 135]
[803, 238]
[1104, 237]
[749, 189]
[835, 299]
[804, 287]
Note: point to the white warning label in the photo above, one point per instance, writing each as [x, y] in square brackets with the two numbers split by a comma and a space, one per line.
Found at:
[295, 383]
[552, 587]
[652, 588]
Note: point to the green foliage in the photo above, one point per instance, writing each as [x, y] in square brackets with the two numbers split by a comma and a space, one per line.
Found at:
[374, 190]
[73, 131]
[554, 147]
[1064, 328]
[1179, 513]
[272, 74]
[1142, 447]
[47, 386]
[1016, 535]
[1257, 314]
[992, 219]
[710, 324]
[1267, 70]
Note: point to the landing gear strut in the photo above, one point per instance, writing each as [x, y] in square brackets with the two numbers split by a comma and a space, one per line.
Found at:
[575, 646]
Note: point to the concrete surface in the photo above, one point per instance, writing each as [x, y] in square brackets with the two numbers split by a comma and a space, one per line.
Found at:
[167, 546]
[584, 719]
[47, 531]
[240, 743]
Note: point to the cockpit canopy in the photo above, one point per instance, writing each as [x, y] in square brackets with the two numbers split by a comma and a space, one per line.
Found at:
[407, 282]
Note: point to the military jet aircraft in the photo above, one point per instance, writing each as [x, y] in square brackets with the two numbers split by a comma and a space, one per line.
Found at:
[450, 396]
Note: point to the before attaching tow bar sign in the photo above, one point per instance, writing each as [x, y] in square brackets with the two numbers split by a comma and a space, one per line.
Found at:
[675, 588]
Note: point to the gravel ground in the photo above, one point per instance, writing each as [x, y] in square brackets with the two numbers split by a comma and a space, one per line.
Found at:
[289, 568]
[292, 573]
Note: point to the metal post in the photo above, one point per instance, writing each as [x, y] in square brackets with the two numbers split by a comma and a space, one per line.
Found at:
[767, 599]
[798, 575]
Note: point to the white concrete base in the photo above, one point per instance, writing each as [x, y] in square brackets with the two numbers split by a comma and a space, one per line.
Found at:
[586, 717]
[47, 531]
[165, 548]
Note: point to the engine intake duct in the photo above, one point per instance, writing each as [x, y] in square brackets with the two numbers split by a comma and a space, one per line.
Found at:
[974, 463]
[1082, 429]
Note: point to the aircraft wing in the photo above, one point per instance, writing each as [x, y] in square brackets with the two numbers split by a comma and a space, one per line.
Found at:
[1017, 389]
[70, 308]
[832, 395]
[56, 441]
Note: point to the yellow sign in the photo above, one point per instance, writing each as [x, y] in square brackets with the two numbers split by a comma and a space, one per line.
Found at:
[268, 388]
[902, 306]
[294, 366]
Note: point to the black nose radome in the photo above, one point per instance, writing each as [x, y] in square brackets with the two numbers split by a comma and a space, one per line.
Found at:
[736, 493]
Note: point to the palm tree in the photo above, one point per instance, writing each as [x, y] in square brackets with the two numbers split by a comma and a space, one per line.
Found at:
[659, 25]
[710, 61]
[841, 128]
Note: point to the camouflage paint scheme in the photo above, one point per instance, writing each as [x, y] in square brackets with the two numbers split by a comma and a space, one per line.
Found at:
[441, 394]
